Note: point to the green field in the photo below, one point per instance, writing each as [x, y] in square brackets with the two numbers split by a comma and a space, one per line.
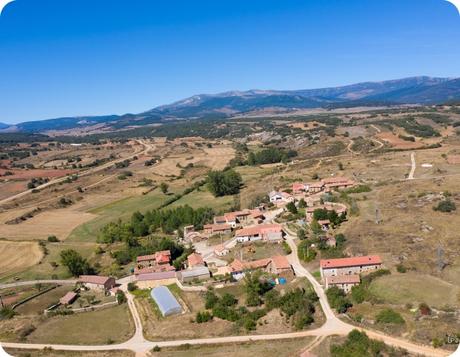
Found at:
[414, 289]
[112, 325]
[204, 198]
[121, 209]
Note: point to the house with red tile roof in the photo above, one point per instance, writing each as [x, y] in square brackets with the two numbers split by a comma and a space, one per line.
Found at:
[151, 280]
[221, 251]
[265, 232]
[97, 282]
[211, 229]
[158, 258]
[195, 260]
[343, 282]
[349, 266]
[280, 265]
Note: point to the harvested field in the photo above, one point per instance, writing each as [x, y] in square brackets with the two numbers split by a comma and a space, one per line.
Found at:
[453, 159]
[58, 222]
[18, 256]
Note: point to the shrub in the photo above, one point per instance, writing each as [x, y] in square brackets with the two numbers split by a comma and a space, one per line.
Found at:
[445, 206]
[132, 286]
[53, 239]
[156, 349]
[401, 268]
[389, 316]
[424, 309]
[6, 313]
[202, 317]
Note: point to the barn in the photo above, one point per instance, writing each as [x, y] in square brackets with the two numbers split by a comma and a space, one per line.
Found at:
[165, 301]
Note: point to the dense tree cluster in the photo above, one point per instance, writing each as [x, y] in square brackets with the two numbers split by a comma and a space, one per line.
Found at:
[223, 183]
[270, 156]
[297, 304]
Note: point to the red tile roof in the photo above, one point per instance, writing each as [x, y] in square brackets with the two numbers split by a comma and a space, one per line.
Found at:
[156, 276]
[154, 269]
[343, 279]
[68, 298]
[237, 265]
[94, 279]
[195, 259]
[259, 229]
[280, 262]
[350, 262]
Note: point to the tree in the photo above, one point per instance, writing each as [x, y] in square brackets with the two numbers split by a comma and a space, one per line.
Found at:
[302, 203]
[121, 297]
[76, 264]
[223, 183]
[164, 187]
[291, 208]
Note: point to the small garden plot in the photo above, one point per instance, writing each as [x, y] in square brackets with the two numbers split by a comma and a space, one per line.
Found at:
[111, 325]
[37, 305]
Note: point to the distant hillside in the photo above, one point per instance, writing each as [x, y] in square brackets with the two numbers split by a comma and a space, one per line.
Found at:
[4, 126]
[414, 90]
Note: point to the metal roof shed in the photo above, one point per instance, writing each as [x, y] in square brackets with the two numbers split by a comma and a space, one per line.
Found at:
[166, 301]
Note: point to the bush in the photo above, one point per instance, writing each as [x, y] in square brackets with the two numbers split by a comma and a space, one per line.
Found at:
[400, 268]
[202, 317]
[53, 239]
[132, 286]
[121, 297]
[156, 349]
[445, 206]
[76, 264]
[291, 207]
[389, 316]
[287, 249]
[6, 313]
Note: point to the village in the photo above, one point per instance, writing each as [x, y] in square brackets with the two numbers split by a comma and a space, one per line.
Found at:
[210, 265]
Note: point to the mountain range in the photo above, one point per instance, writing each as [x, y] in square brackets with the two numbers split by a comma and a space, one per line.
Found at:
[414, 90]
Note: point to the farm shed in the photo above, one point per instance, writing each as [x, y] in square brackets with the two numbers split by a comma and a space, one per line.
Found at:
[166, 301]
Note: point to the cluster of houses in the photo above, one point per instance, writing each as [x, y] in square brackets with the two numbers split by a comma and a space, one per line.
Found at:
[325, 185]
[305, 190]
[345, 272]
[276, 265]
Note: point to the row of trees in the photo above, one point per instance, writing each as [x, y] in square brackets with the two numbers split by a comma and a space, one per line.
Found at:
[168, 221]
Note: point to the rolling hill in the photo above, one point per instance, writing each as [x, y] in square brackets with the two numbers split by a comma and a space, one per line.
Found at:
[414, 90]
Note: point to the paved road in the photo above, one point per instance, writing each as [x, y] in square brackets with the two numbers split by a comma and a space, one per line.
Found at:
[414, 166]
[146, 148]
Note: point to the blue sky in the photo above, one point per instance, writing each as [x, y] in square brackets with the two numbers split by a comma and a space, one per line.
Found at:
[91, 57]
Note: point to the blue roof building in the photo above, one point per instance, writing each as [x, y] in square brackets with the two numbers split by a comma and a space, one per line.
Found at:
[165, 301]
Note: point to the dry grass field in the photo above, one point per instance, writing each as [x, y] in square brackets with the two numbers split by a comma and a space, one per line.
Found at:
[110, 325]
[17, 256]
[51, 353]
[280, 348]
